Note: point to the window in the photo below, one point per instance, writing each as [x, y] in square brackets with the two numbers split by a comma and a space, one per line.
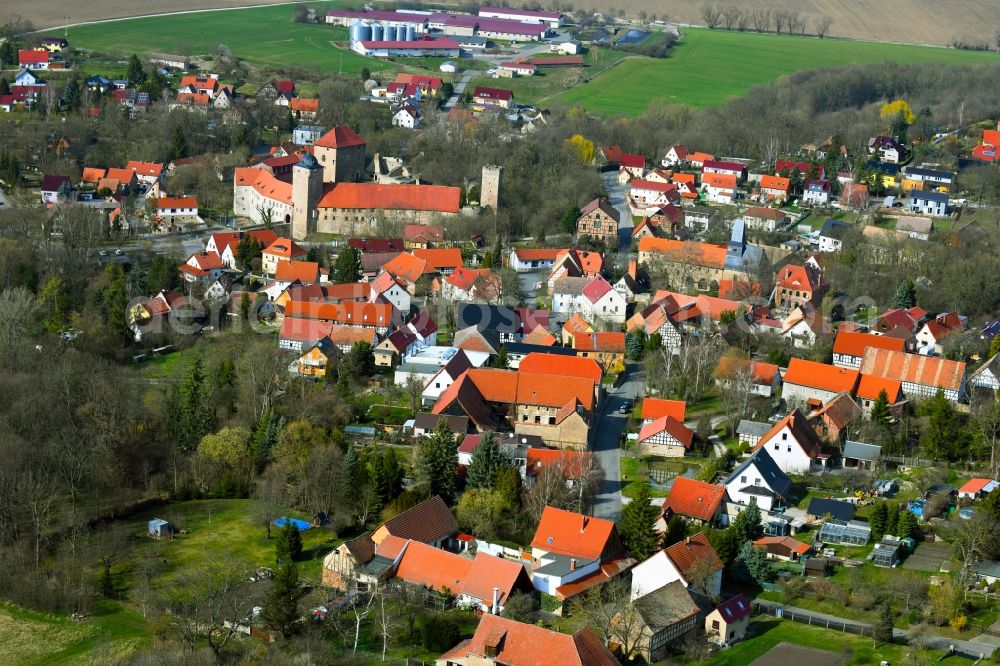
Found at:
[743, 479]
[775, 446]
[784, 436]
[552, 420]
[538, 418]
[715, 624]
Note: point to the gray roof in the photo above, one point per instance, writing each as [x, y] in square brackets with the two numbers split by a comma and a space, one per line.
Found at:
[560, 565]
[666, 606]
[937, 197]
[930, 173]
[752, 428]
[571, 285]
[861, 451]
[923, 225]
[989, 568]
[775, 479]
[428, 421]
[834, 229]
[819, 506]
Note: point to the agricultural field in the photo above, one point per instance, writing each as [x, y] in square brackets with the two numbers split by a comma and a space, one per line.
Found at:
[708, 67]
[903, 21]
[263, 36]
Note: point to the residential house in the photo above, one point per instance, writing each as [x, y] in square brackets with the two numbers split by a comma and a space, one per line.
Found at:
[302, 272]
[488, 98]
[934, 331]
[445, 377]
[719, 188]
[804, 327]
[987, 376]
[33, 59]
[920, 376]
[528, 260]
[202, 267]
[693, 500]
[757, 480]
[809, 382]
[887, 149]
[147, 173]
[54, 189]
[280, 249]
[869, 389]
[502, 642]
[928, 180]
[755, 377]
[858, 455]
[805, 169]
[594, 298]
[575, 325]
[299, 334]
[928, 203]
[763, 218]
[658, 408]
[574, 262]
[729, 621]
[442, 260]
[599, 220]
[816, 192]
[666, 437]
[608, 349]
[697, 159]
[408, 116]
[315, 362]
[388, 289]
[647, 195]
[792, 444]
[735, 169]
[782, 548]
[693, 562]
[509, 324]
[831, 235]
[422, 236]
[909, 319]
[849, 347]
[571, 552]
[430, 522]
[749, 432]
[656, 319]
[975, 489]
[918, 228]
[470, 284]
[774, 189]
[424, 363]
[821, 508]
[832, 420]
[390, 351]
[676, 156]
[687, 185]
[662, 618]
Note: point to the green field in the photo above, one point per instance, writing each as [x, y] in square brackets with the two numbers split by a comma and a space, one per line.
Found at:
[264, 36]
[709, 67]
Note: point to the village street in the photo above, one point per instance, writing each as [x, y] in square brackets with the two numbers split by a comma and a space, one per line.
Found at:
[606, 445]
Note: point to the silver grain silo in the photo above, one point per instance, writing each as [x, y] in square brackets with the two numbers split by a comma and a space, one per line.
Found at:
[389, 32]
[409, 33]
[377, 32]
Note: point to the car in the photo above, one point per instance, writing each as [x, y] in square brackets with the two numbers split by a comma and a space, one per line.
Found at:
[118, 252]
[103, 253]
[623, 409]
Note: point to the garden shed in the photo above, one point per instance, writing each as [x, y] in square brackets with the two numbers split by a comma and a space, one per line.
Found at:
[160, 529]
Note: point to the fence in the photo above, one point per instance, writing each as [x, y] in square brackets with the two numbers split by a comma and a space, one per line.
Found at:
[787, 613]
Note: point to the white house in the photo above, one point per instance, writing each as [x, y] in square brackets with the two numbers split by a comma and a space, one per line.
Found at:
[652, 192]
[526, 260]
[407, 117]
[591, 297]
[719, 188]
[816, 193]
[928, 203]
[792, 444]
[305, 135]
[390, 289]
[758, 480]
[808, 381]
[676, 156]
[177, 209]
[678, 563]
[831, 236]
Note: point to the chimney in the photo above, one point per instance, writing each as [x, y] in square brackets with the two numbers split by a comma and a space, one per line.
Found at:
[495, 608]
[572, 564]
[687, 541]
[632, 268]
[583, 523]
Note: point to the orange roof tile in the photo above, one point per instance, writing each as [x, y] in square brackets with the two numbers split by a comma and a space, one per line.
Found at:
[655, 408]
[870, 386]
[342, 334]
[719, 180]
[801, 431]
[693, 551]
[286, 248]
[577, 324]
[913, 368]
[306, 104]
[694, 499]
[305, 272]
[176, 202]
[788, 542]
[407, 267]
[571, 463]
[406, 196]
[821, 376]
[264, 183]
[538, 254]
[669, 425]
[145, 168]
[553, 364]
[775, 183]
[600, 342]
[572, 534]
[92, 175]
[538, 336]
[448, 258]
[855, 344]
[341, 136]
[437, 569]
[688, 178]
[122, 175]
[505, 641]
[689, 252]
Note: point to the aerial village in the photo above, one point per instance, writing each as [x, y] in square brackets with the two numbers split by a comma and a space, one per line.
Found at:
[643, 438]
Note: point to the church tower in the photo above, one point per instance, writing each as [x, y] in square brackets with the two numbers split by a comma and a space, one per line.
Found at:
[342, 154]
[489, 189]
[307, 188]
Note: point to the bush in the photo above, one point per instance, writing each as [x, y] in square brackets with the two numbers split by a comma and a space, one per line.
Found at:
[959, 622]
[439, 632]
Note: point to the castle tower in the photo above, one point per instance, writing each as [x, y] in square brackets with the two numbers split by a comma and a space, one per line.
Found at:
[307, 188]
[489, 190]
[341, 153]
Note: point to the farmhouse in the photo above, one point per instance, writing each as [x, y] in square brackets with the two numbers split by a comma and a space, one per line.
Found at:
[763, 218]
[666, 437]
[921, 376]
[816, 383]
[792, 444]
[693, 500]
[849, 347]
[599, 220]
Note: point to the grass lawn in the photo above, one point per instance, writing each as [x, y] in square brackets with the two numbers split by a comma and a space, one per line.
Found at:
[259, 35]
[708, 67]
[40, 638]
[771, 631]
[224, 528]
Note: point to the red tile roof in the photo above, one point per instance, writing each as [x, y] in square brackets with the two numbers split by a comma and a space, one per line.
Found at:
[145, 168]
[537, 254]
[870, 386]
[669, 425]
[305, 272]
[692, 552]
[801, 431]
[32, 57]
[775, 183]
[570, 463]
[264, 183]
[557, 364]
[655, 408]
[788, 542]
[821, 376]
[448, 258]
[688, 252]
[286, 248]
[600, 342]
[405, 196]
[975, 485]
[596, 289]
[572, 534]
[855, 344]
[376, 244]
[913, 368]
[341, 136]
[694, 499]
[725, 181]
[306, 104]
[517, 644]
[304, 330]
[423, 232]
[164, 203]
[373, 315]
[434, 568]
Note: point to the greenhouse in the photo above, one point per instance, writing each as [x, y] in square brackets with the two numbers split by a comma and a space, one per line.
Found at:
[846, 533]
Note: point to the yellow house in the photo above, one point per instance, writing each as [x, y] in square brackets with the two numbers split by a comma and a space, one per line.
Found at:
[315, 361]
[890, 180]
[728, 622]
[574, 325]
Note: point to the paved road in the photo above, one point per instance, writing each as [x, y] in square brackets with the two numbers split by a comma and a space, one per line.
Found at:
[607, 441]
[460, 85]
[616, 197]
[973, 648]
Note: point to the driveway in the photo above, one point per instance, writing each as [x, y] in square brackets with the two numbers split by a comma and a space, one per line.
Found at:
[460, 85]
[606, 445]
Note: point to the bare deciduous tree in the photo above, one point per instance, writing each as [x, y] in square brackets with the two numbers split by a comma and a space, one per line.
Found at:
[976, 537]
[730, 16]
[780, 17]
[711, 14]
[821, 24]
[760, 19]
[610, 611]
